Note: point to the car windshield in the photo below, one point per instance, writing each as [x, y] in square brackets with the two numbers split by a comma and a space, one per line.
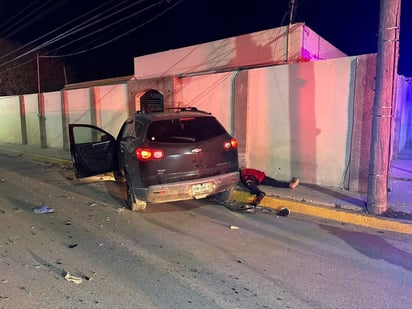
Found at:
[184, 130]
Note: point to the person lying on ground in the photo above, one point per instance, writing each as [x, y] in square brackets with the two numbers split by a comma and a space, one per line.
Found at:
[252, 178]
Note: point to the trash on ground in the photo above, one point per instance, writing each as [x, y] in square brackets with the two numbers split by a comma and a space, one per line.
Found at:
[71, 278]
[72, 246]
[283, 212]
[43, 210]
[233, 227]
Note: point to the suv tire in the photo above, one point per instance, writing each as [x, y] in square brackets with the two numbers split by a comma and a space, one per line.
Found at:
[133, 203]
[224, 196]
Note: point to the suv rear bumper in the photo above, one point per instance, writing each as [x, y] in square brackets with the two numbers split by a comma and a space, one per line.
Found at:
[183, 190]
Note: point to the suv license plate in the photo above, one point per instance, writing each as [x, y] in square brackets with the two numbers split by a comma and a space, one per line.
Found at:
[201, 188]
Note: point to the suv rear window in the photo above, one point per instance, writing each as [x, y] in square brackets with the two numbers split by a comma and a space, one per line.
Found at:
[184, 130]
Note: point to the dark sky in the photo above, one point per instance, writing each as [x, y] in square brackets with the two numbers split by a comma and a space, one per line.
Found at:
[99, 38]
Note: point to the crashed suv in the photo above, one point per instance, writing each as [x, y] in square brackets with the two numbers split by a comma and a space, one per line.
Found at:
[162, 156]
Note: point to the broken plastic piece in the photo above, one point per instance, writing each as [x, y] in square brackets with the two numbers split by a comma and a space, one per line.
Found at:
[43, 210]
[71, 278]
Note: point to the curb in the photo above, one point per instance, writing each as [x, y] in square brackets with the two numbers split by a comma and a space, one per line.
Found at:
[48, 159]
[360, 219]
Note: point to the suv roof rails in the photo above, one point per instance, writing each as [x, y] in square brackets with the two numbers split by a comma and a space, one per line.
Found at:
[177, 109]
[188, 109]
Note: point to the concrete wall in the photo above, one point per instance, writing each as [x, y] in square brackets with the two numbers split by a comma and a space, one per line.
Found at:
[403, 115]
[311, 120]
[113, 107]
[106, 106]
[10, 128]
[364, 94]
[298, 118]
[32, 119]
[268, 47]
[212, 93]
[299, 122]
[53, 111]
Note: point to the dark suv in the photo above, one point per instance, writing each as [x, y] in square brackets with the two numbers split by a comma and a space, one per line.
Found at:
[162, 156]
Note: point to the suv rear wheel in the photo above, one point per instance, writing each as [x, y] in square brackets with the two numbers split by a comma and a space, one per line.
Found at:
[132, 203]
[225, 196]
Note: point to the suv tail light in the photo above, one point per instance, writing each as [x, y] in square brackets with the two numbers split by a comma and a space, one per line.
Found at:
[147, 154]
[231, 144]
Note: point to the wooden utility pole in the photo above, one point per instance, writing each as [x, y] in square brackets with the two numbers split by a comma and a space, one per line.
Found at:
[291, 15]
[383, 112]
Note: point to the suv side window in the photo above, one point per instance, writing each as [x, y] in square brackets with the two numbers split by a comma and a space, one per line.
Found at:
[128, 130]
[138, 129]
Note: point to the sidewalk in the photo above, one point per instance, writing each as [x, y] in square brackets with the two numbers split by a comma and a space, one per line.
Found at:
[308, 199]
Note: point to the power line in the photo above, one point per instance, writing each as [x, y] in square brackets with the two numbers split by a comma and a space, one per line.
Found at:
[93, 21]
[24, 23]
[119, 36]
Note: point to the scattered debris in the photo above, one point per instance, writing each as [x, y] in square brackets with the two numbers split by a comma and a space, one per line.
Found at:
[43, 210]
[18, 209]
[71, 278]
[283, 212]
[72, 246]
[233, 227]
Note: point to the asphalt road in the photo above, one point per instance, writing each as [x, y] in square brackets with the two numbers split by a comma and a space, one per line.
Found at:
[191, 254]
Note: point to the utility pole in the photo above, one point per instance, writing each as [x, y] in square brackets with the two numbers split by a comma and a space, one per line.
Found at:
[291, 15]
[41, 109]
[386, 72]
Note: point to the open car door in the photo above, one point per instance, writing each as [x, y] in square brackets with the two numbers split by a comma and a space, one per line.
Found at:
[92, 149]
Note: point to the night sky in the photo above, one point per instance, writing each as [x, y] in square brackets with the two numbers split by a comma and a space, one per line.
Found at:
[100, 38]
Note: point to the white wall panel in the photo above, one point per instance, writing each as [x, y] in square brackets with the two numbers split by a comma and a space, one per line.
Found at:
[79, 106]
[298, 120]
[10, 129]
[113, 107]
[32, 119]
[53, 113]
[211, 93]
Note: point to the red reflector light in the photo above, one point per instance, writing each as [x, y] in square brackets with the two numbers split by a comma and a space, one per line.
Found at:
[146, 154]
[232, 144]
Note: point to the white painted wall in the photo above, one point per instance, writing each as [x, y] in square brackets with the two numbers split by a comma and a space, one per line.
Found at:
[53, 113]
[10, 129]
[298, 116]
[32, 119]
[298, 120]
[79, 106]
[211, 93]
[267, 47]
[114, 108]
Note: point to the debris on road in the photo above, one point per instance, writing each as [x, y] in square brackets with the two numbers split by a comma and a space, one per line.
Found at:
[43, 210]
[283, 212]
[71, 278]
[233, 227]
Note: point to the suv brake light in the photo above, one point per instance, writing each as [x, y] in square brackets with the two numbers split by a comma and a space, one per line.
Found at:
[147, 154]
[231, 144]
